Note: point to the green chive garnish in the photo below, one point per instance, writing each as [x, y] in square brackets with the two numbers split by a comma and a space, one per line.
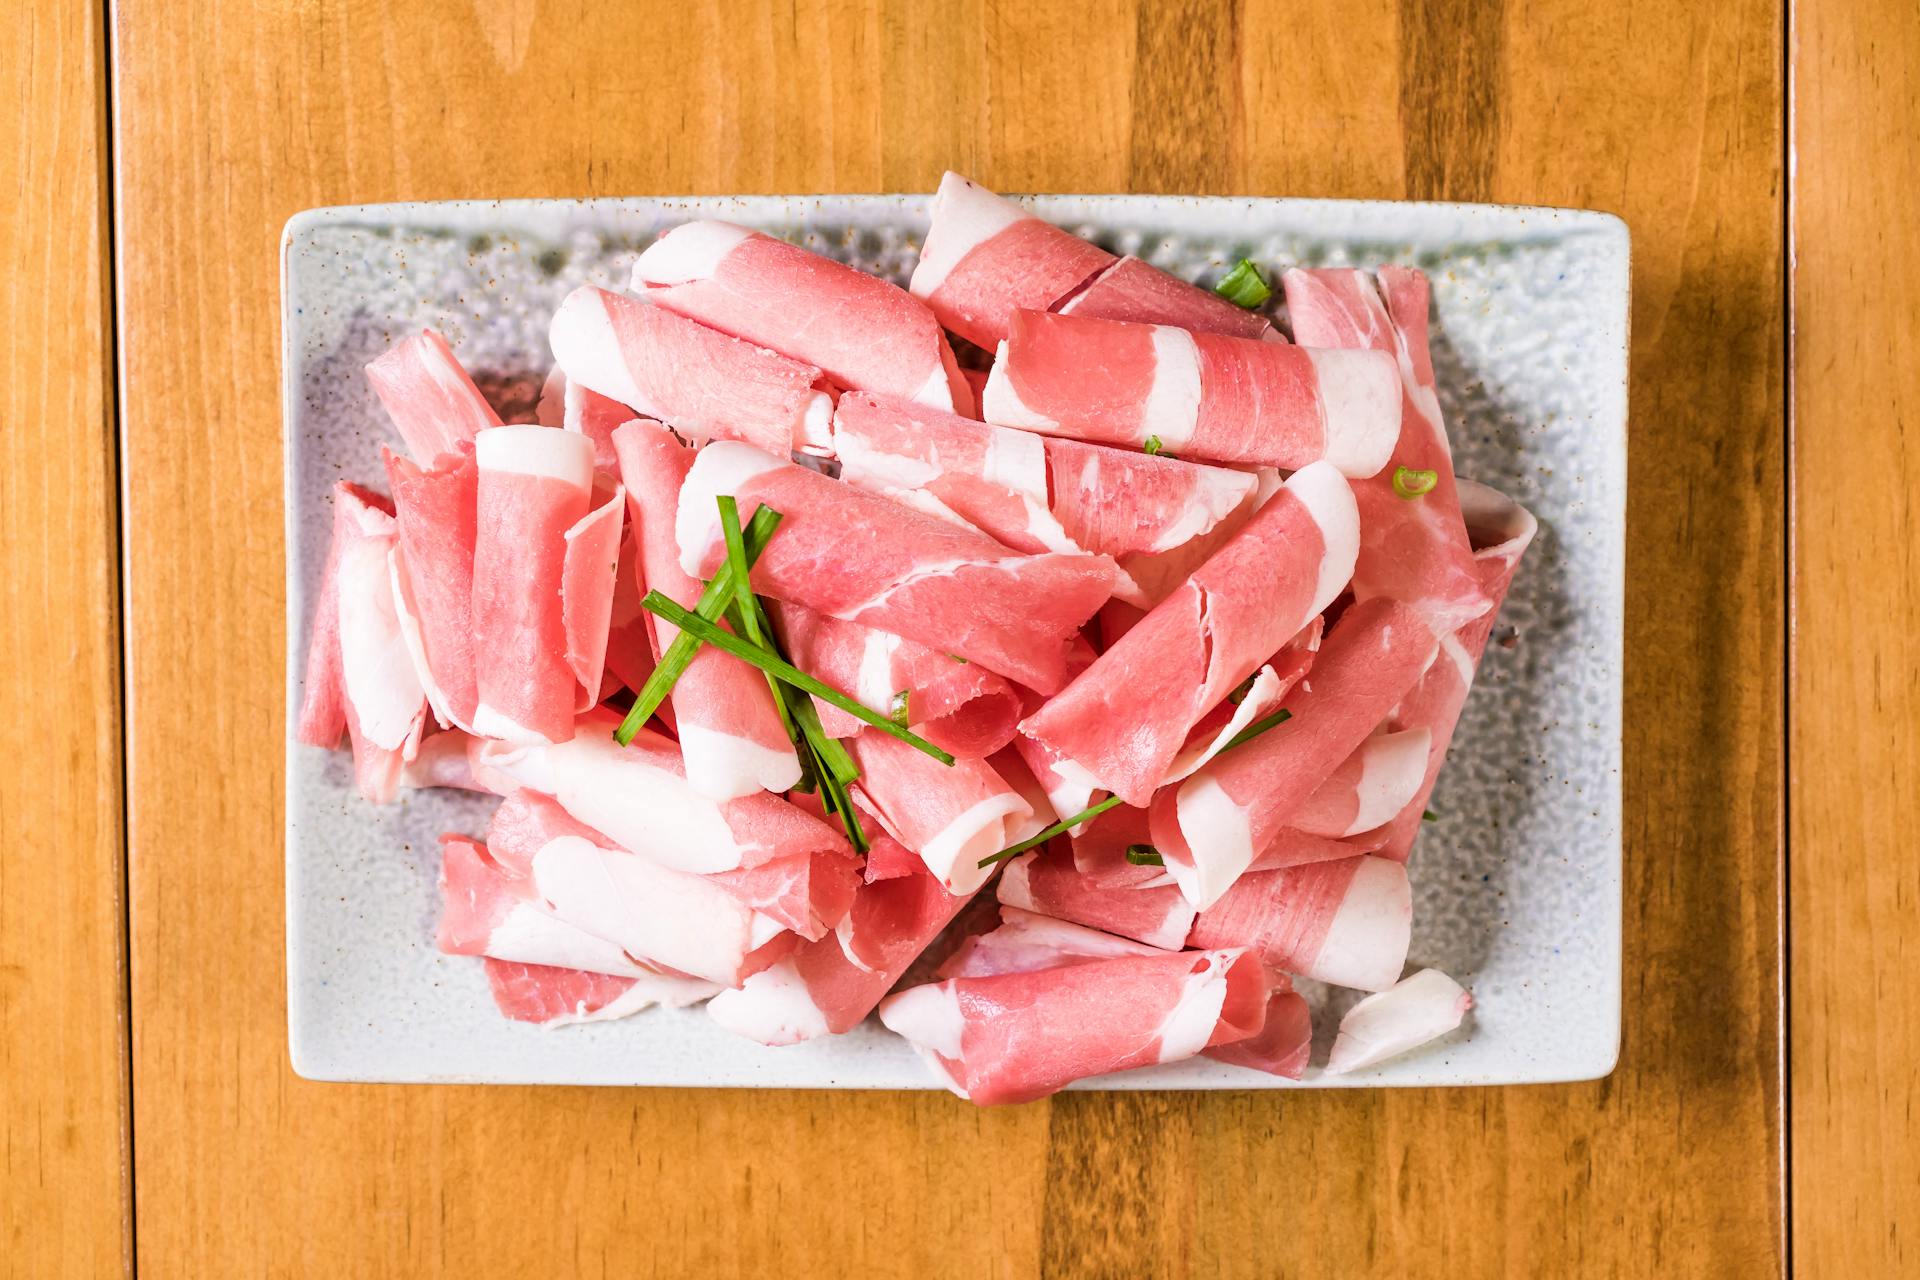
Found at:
[1058, 828]
[1244, 286]
[1411, 484]
[1428, 815]
[897, 711]
[1255, 729]
[1240, 692]
[1145, 855]
[1153, 446]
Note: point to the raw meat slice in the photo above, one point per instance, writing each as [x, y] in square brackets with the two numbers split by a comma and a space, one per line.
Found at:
[433, 579]
[731, 737]
[323, 702]
[572, 406]
[1201, 396]
[951, 815]
[1125, 719]
[486, 911]
[1050, 884]
[629, 627]
[1346, 922]
[535, 484]
[550, 997]
[430, 399]
[385, 705]
[443, 760]
[1415, 1011]
[1370, 787]
[1026, 941]
[1144, 294]
[866, 559]
[587, 585]
[985, 257]
[696, 379]
[1210, 825]
[1284, 1042]
[864, 332]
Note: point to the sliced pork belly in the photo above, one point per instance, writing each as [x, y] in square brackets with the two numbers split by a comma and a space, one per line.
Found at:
[1284, 1042]
[570, 405]
[960, 707]
[1346, 922]
[986, 257]
[630, 627]
[444, 760]
[383, 701]
[1210, 826]
[587, 588]
[1050, 883]
[488, 911]
[550, 997]
[698, 380]
[534, 485]
[864, 332]
[1412, 549]
[861, 557]
[1125, 719]
[322, 717]
[951, 815]
[1370, 787]
[430, 399]
[1415, 1011]
[731, 738]
[1201, 396]
[433, 577]
[1144, 294]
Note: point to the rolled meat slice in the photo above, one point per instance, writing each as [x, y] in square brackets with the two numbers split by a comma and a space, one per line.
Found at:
[698, 380]
[731, 738]
[1144, 294]
[1413, 544]
[587, 588]
[1210, 826]
[1050, 883]
[866, 333]
[384, 703]
[951, 815]
[630, 627]
[1284, 1042]
[488, 911]
[861, 557]
[430, 399]
[1347, 922]
[433, 577]
[958, 706]
[567, 404]
[1201, 396]
[534, 485]
[1370, 787]
[322, 717]
[1415, 1011]
[550, 997]
[985, 257]
[1125, 719]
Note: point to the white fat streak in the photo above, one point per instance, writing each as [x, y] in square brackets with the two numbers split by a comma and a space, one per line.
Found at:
[1262, 697]
[726, 766]
[1191, 1022]
[1217, 493]
[929, 1016]
[953, 853]
[877, 469]
[530, 936]
[1015, 888]
[1328, 498]
[873, 685]
[1415, 1011]
[1458, 655]
[1360, 408]
[928, 505]
[725, 466]
[1172, 410]
[922, 573]
[936, 391]
[1220, 836]
[816, 425]
[1001, 405]
[377, 667]
[964, 216]
[773, 1006]
[676, 920]
[1366, 944]
[583, 342]
[407, 615]
[647, 990]
[1072, 790]
[1017, 461]
[691, 251]
[566, 456]
[491, 722]
[843, 934]
[762, 929]
[1392, 767]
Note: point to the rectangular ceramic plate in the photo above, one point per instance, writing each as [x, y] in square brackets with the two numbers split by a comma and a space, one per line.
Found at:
[1516, 886]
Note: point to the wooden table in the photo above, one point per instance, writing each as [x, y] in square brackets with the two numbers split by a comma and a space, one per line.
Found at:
[150, 1115]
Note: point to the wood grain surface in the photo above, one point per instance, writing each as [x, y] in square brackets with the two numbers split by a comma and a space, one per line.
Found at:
[234, 115]
[65, 1195]
[1856, 677]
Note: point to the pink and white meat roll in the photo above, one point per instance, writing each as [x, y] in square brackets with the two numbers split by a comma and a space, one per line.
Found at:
[1412, 549]
[430, 399]
[960, 707]
[1347, 922]
[322, 716]
[951, 815]
[587, 589]
[433, 576]
[573, 407]
[1200, 395]
[864, 332]
[985, 257]
[1142, 293]
[534, 485]
[1125, 719]
[1051, 884]
[487, 910]
[731, 738]
[1284, 1043]
[1415, 1011]
[698, 380]
[630, 627]
[1501, 531]
[1369, 788]
[1210, 826]
[1013, 1035]
[861, 557]
[549, 997]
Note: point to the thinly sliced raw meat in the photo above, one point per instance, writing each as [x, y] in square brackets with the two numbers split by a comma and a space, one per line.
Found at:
[550, 997]
[861, 557]
[572, 406]
[1099, 851]
[1346, 922]
[1201, 396]
[323, 701]
[958, 706]
[630, 627]
[1144, 294]
[487, 911]
[985, 257]
[1026, 941]
[866, 333]
[444, 759]
[1501, 531]
[385, 705]
[1210, 826]
[587, 586]
[730, 733]
[434, 509]
[1415, 1011]
[1370, 786]
[1284, 1042]
[1412, 549]
[699, 380]
[1263, 693]
[535, 483]
[1050, 884]
[1124, 720]
[430, 399]
[1068, 790]
[951, 815]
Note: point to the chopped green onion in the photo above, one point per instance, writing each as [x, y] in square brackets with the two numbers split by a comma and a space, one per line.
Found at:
[1058, 828]
[897, 710]
[1255, 729]
[1411, 484]
[774, 665]
[1145, 855]
[719, 593]
[1428, 815]
[1244, 286]
[1241, 690]
[957, 658]
[1153, 446]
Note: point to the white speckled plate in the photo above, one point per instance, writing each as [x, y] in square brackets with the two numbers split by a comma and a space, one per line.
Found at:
[1516, 886]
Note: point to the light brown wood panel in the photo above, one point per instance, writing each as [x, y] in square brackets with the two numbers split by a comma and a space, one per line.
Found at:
[238, 115]
[65, 1198]
[1855, 754]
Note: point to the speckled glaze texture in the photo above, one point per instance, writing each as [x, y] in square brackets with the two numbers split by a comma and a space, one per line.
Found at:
[1516, 886]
